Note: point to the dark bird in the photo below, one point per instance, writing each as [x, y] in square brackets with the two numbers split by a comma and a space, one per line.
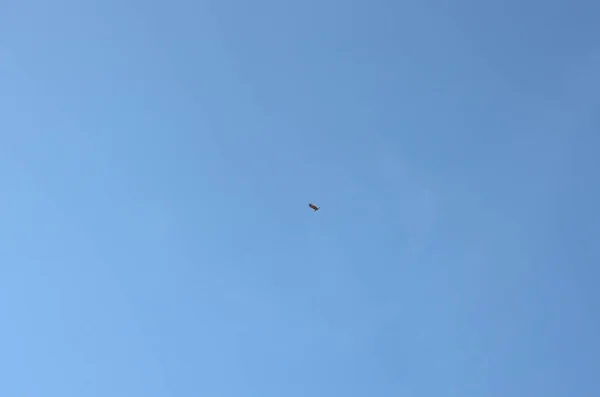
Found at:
[314, 207]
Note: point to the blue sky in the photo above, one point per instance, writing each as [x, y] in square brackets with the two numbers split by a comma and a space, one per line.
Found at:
[157, 159]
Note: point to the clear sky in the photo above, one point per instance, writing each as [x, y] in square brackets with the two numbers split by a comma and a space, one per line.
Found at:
[156, 164]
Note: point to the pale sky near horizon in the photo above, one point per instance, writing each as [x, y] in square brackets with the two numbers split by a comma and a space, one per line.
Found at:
[157, 160]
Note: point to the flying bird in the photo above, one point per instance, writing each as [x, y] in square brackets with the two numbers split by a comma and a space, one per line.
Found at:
[314, 207]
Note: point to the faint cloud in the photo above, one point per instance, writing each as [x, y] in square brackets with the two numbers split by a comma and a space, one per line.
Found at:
[412, 200]
[581, 84]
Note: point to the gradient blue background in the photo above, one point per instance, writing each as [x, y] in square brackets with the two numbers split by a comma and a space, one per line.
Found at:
[157, 159]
